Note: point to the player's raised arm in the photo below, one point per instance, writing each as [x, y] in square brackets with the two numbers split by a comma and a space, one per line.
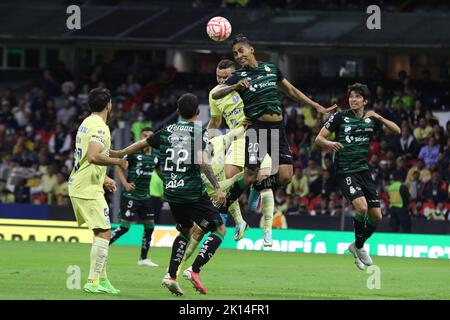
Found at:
[390, 125]
[135, 147]
[323, 142]
[225, 89]
[95, 156]
[287, 88]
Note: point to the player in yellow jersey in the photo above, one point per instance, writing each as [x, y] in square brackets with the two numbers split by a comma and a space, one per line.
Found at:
[86, 181]
[231, 108]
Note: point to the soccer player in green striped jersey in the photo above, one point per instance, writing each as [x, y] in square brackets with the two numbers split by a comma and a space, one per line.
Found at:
[135, 200]
[258, 83]
[231, 109]
[183, 155]
[354, 129]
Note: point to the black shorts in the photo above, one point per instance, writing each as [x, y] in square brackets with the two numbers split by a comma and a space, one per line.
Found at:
[202, 212]
[359, 184]
[130, 209]
[266, 137]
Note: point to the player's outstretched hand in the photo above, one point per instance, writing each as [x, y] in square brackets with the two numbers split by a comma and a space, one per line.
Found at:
[123, 164]
[220, 197]
[243, 84]
[129, 187]
[335, 146]
[372, 114]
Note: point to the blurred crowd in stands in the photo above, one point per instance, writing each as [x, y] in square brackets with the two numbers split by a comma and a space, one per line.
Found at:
[344, 5]
[38, 128]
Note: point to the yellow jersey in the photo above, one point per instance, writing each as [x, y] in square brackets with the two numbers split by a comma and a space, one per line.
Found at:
[220, 145]
[86, 179]
[230, 107]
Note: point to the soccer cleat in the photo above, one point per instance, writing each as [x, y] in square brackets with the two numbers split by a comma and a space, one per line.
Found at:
[194, 278]
[359, 264]
[172, 285]
[361, 254]
[147, 262]
[267, 238]
[94, 288]
[108, 286]
[240, 230]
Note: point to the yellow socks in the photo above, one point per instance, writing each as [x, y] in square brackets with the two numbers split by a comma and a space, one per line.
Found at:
[99, 256]
[267, 207]
[235, 211]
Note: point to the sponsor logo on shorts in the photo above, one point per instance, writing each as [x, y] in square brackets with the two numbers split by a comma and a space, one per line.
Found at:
[352, 190]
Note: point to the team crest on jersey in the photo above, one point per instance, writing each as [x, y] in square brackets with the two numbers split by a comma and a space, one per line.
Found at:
[244, 74]
[235, 98]
[266, 68]
[177, 141]
[368, 120]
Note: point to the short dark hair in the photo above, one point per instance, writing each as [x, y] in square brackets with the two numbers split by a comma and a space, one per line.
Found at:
[241, 38]
[360, 88]
[146, 129]
[187, 105]
[98, 99]
[225, 64]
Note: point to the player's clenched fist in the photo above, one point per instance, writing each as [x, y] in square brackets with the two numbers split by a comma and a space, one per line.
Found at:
[335, 146]
[129, 187]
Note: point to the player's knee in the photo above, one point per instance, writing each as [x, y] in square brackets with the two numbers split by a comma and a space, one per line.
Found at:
[376, 217]
[102, 233]
[361, 208]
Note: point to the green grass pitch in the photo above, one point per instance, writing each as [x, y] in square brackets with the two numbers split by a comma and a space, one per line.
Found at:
[32, 270]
